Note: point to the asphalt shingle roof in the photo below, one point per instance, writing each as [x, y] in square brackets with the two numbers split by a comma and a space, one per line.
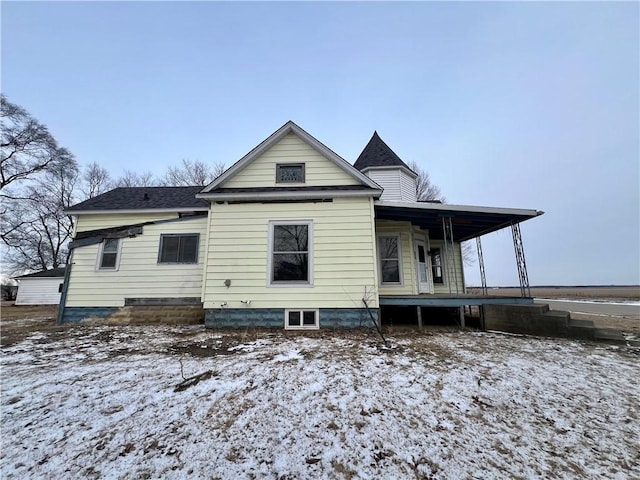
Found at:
[378, 154]
[142, 198]
[54, 272]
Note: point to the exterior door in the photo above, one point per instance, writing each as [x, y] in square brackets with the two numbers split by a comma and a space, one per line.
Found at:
[422, 267]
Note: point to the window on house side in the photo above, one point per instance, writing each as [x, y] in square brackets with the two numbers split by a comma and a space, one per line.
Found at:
[180, 248]
[109, 254]
[290, 173]
[389, 252]
[290, 253]
[436, 265]
[301, 319]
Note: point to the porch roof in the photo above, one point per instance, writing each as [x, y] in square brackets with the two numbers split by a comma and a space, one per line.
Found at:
[468, 221]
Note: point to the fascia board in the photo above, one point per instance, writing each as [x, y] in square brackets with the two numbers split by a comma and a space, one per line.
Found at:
[131, 210]
[460, 208]
[287, 195]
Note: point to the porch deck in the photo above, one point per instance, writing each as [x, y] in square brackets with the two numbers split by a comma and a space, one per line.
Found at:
[445, 300]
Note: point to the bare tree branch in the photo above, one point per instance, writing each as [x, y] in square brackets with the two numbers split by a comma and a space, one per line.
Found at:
[191, 173]
[95, 181]
[26, 146]
[134, 179]
[425, 189]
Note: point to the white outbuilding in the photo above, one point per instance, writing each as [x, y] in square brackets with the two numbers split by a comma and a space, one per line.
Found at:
[41, 288]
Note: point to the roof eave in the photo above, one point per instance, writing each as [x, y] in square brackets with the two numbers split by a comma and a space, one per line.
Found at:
[460, 208]
[138, 210]
[307, 195]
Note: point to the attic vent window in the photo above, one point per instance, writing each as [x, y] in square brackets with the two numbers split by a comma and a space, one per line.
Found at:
[290, 173]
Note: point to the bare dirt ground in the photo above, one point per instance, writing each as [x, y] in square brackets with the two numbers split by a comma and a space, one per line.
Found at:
[16, 322]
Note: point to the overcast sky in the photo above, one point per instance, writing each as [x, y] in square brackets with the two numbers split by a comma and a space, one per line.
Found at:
[529, 105]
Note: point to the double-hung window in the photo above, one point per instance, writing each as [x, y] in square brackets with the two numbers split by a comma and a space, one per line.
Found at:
[290, 253]
[179, 248]
[109, 254]
[436, 265]
[389, 253]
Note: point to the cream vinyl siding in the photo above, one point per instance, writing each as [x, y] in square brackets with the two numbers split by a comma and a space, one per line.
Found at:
[398, 185]
[138, 274]
[408, 286]
[343, 255]
[319, 170]
[97, 221]
[39, 291]
[443, 288]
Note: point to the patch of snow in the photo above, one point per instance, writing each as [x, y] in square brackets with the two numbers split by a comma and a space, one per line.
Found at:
[100, 402]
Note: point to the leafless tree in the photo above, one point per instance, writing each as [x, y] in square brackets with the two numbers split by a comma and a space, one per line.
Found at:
[426, 190]
[95, 181]
[134, 179]
[192, 173]
[35, 229]
[26, 146]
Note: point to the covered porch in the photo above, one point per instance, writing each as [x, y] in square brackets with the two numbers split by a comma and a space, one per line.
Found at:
[448, 226]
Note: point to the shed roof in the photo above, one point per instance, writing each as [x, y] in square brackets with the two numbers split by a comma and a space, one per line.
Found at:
[54, 272]
[378, 154]
[467, 221]
[144, 198]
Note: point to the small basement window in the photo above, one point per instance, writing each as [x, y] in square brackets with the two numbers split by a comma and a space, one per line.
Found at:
[179, 248]
[290, 173]
[109, 254]
[301, 319]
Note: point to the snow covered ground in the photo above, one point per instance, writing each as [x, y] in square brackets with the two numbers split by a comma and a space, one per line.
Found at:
[99, 402]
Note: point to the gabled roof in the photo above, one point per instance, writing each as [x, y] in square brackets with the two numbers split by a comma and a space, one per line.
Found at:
[378, 154]
[54, 272]
[121, 199]
[287, 128]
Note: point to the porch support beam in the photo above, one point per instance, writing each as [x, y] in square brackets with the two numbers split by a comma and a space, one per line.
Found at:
[461, 313]
[483, 278]
[523, 276]
[419, 314]
[449, 254]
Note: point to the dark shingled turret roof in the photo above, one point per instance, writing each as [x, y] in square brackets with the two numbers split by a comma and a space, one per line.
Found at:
[143, 198]
[378, 154]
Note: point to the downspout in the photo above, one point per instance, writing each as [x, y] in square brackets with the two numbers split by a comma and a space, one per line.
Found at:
[65, 289]
[67, 275]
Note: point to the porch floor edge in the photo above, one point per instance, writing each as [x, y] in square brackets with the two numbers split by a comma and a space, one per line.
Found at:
[450, 301]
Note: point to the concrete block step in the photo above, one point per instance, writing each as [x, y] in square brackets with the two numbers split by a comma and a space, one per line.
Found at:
[581, 332]
[573, 322]
[559, 314]
[609, 335]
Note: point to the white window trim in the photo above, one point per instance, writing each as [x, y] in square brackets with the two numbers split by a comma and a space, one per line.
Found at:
[274, 223]
[400, 272]
[99, 257]
[316, 312]
[163, 235]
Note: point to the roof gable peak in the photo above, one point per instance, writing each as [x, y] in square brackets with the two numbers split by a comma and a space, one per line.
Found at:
[289, 127]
